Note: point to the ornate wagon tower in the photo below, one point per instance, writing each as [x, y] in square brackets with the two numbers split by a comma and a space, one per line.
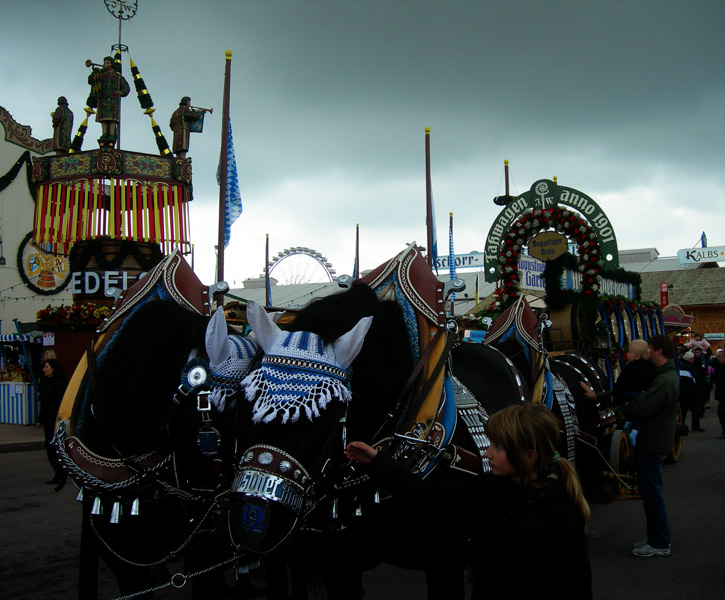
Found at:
[114, 212]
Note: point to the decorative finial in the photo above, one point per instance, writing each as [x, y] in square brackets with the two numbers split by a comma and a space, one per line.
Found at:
[427, 130]
[228, 54]
[122, 9]
[506, 162]
[554, 178]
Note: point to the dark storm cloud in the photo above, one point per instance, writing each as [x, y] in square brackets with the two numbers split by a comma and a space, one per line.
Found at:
[622, 100]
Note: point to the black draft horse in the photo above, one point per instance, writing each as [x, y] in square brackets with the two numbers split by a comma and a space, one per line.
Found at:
[327, 535]
[126, 410]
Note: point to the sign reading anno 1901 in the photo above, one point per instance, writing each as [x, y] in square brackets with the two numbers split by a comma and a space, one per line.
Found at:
[546, 194]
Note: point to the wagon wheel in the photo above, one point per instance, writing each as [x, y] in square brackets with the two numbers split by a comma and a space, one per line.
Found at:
[676, 454]
[622, 460]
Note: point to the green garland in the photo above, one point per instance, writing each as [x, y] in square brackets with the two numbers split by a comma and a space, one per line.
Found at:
[10, 176]
[557, 298]
[587, 304]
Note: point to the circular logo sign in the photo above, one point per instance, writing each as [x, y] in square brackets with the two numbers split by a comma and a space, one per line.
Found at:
[41, 271]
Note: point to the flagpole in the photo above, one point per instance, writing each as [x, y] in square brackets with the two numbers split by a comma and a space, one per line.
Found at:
[451, 260]
[428, 199]
[356, 274]
[506, 174]
[267, 288]
[223, 167]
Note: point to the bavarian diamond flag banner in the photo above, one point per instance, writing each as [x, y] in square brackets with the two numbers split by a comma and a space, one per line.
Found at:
[233, 199]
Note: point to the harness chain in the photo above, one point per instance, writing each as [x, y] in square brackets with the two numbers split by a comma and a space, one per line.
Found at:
[182, 580]
[563, 398]
[474, 417]
[169, 555]
[91, 481]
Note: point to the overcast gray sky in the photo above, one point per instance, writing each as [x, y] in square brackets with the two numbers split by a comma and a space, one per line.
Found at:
[622, 100]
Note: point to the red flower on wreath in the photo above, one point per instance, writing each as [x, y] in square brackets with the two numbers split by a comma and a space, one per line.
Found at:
[533, 221]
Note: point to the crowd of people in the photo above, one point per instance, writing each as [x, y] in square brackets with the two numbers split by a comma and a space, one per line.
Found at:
[700, 373]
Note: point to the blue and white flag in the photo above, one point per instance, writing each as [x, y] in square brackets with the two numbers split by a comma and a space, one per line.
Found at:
[434, 234]
[232, 197]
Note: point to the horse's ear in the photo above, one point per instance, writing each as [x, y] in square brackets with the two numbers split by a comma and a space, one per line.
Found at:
[348, 346]
[217, 341]
[264, 328]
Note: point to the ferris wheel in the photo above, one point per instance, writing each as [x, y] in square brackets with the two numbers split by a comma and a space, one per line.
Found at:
[300, 265]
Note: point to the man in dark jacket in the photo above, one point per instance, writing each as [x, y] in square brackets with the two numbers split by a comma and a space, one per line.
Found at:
[690, 390]
[656, 411]
[720, 389]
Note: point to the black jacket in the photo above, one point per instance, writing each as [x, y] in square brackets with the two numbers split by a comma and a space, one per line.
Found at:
[635, 377]
[524, 541]
[50, 394]
[656, 411]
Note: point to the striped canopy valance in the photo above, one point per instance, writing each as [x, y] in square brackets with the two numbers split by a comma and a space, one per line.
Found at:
[122, 209]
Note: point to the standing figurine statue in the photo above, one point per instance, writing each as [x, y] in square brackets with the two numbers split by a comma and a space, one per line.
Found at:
[107, 88]
[181, 123]
[62, 126]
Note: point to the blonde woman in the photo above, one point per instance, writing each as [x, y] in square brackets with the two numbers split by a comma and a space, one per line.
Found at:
[525, 520]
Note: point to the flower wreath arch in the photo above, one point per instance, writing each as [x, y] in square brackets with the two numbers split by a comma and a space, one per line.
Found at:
[531, 222]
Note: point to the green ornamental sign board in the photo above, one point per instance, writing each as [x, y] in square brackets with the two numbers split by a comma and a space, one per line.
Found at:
[546, 194]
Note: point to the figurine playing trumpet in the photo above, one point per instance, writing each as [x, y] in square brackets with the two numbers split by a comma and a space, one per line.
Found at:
[185, 120]
[107, 88]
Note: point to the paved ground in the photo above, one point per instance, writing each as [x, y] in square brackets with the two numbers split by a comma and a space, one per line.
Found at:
[39, 533]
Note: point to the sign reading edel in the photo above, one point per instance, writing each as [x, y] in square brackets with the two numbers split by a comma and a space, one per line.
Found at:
[701, 255]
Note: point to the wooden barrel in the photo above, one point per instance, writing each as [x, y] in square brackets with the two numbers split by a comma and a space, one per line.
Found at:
[630, 322]
[626, 324]
[564, 334]
[652, 322]
[643, 326]
[605, 318]
[660, 322]
[100, 264]
[615, 322]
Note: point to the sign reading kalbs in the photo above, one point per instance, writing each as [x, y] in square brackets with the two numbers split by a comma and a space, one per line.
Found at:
[695, 256]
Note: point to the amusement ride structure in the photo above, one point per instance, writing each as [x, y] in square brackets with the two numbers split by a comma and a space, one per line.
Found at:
[300, 264]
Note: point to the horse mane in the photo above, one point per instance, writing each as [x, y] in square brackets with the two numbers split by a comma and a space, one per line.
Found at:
[385, 361]
[137, 375]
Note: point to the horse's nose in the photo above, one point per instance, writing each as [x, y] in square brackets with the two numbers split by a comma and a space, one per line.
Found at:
[267, 496]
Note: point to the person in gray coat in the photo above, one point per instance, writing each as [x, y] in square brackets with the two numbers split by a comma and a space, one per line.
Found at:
[656, 411]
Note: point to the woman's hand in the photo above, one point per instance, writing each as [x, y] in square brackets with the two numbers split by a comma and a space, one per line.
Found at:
[360, 452]
[588, 392]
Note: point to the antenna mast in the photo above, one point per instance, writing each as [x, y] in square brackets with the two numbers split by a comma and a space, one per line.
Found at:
[123, 10]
